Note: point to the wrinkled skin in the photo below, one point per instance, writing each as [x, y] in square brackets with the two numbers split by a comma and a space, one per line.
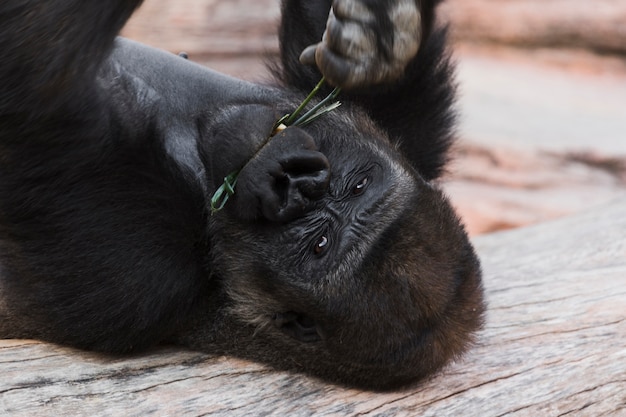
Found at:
[367, 42]
[337, 256]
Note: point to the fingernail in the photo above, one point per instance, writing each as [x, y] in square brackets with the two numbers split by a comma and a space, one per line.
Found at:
[307, 57]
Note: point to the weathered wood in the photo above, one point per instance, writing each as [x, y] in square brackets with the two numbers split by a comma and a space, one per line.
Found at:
[554, 344]
[595, 25]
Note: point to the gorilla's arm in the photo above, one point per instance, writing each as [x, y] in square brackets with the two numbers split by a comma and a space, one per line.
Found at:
[407, 88]
[53, 49]
[99, 239]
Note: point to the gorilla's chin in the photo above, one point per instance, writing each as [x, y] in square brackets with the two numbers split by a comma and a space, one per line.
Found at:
[417, 299]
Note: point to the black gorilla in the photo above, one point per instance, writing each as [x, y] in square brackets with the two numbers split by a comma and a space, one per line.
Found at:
[336, 256]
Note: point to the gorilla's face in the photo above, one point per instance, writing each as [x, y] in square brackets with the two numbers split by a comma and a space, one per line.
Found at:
[373, 272]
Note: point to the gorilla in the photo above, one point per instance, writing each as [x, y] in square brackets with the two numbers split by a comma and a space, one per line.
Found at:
[338, 255]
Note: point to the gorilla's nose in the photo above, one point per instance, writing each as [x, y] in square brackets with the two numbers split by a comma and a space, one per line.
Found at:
[305, 179]
[284, 179]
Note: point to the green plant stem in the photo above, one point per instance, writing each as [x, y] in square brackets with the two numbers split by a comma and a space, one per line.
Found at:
[319, 110]
[223, 193]
[289, 121]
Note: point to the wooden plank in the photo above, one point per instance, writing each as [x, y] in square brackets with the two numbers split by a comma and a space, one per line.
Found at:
[595, 25]
[554, 344]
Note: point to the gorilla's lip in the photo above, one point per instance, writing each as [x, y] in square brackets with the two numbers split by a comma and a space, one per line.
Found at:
[298, 326]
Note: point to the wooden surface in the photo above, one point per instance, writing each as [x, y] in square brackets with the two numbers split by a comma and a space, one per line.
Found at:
[596, 25]
[554, 345]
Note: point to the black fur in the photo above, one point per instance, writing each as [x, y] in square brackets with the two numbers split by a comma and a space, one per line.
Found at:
[336, 255]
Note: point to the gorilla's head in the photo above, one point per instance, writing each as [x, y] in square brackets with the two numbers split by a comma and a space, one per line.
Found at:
[346, 264]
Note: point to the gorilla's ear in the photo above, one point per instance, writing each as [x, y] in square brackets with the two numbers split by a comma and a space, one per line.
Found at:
[230, 138]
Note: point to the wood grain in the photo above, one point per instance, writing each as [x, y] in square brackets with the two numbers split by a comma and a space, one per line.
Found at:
[554, 345]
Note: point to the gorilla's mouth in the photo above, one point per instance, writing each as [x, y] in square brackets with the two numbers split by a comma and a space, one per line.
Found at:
[298, 326]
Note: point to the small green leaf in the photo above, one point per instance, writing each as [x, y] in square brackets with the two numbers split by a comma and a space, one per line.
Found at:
[302, 105]
[223, 193]
[306, 119]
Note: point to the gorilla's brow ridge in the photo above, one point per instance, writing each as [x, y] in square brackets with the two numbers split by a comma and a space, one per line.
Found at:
[386, 209]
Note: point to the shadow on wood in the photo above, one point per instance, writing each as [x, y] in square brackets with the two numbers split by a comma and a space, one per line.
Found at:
[554, 343]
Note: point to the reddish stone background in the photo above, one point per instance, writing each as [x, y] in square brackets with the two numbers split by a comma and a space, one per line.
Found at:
[543, 94]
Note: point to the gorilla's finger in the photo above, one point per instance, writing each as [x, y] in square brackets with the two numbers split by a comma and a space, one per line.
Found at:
[351, 39]
[338, 71]
[352, 10]
[307, 57]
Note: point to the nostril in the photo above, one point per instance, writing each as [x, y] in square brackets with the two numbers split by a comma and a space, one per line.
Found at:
[297, 326]
[286, 178]
[314, 185]
[304, 162]
[303, 166]
[296, 195]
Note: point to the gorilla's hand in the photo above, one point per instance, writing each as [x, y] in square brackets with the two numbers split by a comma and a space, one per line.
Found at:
[367, 42]
[283, 180]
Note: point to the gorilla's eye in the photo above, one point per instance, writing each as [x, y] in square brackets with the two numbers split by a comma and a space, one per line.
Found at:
[360, 186]
[320, 245]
